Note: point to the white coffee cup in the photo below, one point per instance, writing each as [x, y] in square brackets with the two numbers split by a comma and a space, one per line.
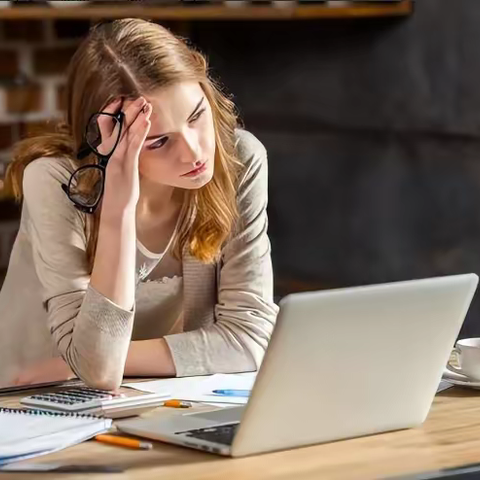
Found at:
[467, 352]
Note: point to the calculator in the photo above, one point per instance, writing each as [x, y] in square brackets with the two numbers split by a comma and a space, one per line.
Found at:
[86, 400]
[80, 399]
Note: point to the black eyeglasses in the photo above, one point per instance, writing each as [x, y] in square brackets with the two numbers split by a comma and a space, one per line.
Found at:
[86, 184]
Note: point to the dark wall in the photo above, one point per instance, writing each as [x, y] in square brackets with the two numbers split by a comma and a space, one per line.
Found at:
[373, 134]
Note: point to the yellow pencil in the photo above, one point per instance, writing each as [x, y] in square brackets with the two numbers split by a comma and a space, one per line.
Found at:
[176, 404]
[124, 442]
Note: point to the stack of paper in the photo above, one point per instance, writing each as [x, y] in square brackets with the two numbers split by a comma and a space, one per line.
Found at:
[26, 434]
[200, 389]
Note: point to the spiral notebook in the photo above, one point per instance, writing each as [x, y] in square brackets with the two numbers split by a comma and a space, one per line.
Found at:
[30, 433]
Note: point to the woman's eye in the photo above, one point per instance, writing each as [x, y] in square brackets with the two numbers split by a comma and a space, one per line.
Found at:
[197, 115]
[160, 143]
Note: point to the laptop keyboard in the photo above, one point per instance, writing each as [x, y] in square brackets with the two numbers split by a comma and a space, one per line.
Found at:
[220, 434]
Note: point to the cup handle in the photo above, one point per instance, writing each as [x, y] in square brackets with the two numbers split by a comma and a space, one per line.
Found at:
[452, 368]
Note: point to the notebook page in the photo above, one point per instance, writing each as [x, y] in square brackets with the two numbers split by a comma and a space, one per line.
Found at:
[24, 435]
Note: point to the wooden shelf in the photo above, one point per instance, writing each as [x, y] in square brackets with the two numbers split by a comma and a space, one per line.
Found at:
[207, 12]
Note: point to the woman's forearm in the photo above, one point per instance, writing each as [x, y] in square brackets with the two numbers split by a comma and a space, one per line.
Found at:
[149, 358]
[113, 273]
[145, 358]
[101, 337]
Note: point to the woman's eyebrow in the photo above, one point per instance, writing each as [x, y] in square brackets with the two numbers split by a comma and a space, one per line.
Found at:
[199, 104]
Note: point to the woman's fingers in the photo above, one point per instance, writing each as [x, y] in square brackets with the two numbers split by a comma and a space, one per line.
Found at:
[113, 106]
[129, 147]
[108, 127]
[105, 130]
[132, 111]
[139, 131]
[108, 132]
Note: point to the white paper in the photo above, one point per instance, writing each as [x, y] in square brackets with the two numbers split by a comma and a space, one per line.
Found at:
[199, 389]
[27, 435]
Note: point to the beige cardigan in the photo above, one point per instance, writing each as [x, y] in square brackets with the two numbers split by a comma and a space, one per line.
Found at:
[47, 306]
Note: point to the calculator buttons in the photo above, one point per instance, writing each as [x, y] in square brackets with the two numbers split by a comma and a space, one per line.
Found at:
[73, 399]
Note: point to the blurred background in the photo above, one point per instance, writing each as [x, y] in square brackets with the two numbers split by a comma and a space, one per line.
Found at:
[370, 112]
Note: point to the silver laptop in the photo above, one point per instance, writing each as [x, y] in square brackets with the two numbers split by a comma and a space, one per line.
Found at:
[341, 363]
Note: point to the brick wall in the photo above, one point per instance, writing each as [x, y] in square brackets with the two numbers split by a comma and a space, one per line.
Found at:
[34, 56]
[33, 59]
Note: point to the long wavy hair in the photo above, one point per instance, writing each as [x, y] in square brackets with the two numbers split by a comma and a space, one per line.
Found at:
[132, 57]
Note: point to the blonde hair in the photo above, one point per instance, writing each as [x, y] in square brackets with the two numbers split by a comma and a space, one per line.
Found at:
[132, 57]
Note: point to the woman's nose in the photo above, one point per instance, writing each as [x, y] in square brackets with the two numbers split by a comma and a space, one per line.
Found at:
[190, 151]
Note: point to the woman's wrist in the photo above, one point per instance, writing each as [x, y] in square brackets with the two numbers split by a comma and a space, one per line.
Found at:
[117, 217]
[149, 358]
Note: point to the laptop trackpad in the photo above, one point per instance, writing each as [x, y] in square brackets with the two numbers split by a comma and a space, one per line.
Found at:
[225, 415]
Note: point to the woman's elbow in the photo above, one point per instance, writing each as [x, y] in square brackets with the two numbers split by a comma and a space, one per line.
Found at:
[258, 347]
[98, 374]
[102, 382]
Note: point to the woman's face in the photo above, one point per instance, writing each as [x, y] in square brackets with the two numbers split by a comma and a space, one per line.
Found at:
[180, 147]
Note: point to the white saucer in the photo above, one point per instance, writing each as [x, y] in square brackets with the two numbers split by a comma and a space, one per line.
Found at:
[459, 380]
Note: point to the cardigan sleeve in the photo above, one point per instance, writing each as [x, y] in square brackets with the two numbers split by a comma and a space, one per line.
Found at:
[245, 312]
[91, 333]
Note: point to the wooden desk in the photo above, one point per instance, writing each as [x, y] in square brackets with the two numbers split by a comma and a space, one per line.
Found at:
[449, 437]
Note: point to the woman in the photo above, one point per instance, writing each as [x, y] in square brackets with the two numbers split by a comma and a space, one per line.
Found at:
[158, 264]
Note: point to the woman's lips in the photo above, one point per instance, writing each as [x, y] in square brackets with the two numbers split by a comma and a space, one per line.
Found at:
[196, 171]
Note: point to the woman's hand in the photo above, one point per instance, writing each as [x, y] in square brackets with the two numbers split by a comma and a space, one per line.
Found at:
[113, 273]
[51, 370]
[122, 185]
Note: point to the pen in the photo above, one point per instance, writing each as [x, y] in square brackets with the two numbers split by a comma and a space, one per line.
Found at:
[124, 442]
[232, 393]
[176, 404]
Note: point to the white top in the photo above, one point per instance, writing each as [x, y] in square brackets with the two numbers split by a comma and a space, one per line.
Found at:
[159, 292]
[147, 253]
